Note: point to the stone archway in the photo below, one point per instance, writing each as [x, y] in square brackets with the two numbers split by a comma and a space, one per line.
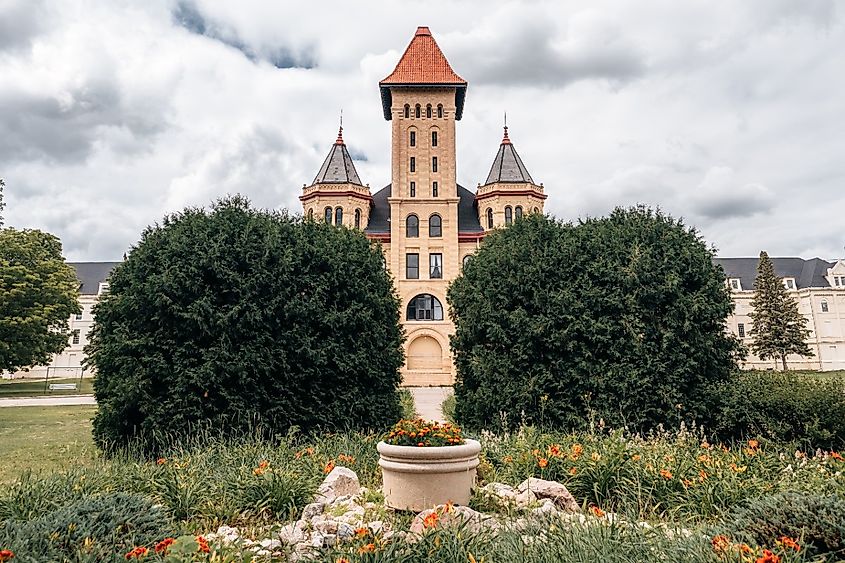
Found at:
[425, 353]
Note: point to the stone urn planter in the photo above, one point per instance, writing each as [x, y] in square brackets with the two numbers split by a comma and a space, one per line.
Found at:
[416, 478]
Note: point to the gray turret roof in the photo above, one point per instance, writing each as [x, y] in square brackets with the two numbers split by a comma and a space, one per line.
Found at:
[338, 167]
[507, 166]
[807, 273]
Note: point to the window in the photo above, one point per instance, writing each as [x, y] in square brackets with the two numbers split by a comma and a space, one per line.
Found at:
[518, 212]
[76, 337]
[789, 283]
[428, 111]
[434, 138]
[435, 226]
[434, 189]
[357, 218]
[413, 138]
[413, 164]
[839, 281]
[417, 111]
[508, 215]
[825, 308]
[78, 316]
[338, 216]
[310, 214]
[412, 226]
[407, 111]
[735, 284]
[413, 189]
[536, 210]
[425, 307]
[489, 218]
[440, 110]
[412, 266]
[435, 266]
[328, 215]
[434, 164]
[740, 329]
[466, 259]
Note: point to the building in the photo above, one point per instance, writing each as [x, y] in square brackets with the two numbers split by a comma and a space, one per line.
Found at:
[819, 288]
[427, 223]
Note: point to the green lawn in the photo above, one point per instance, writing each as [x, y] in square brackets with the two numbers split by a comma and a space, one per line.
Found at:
[44, 438]
[35, 387]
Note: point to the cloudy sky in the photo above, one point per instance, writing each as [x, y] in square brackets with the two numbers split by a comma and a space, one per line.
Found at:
[730, 114]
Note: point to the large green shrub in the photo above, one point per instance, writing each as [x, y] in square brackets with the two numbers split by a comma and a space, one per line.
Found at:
[619, 318]
[236, 318]
[794, 407]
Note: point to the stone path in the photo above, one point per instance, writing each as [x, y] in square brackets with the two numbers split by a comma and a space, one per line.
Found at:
[428, 401]
[49, 401]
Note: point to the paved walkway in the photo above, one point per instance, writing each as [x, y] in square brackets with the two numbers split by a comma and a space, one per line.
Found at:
[49, 401]
[428, 400]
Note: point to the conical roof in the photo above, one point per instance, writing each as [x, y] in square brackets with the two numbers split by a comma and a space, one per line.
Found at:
[338, 167]
[507, 166]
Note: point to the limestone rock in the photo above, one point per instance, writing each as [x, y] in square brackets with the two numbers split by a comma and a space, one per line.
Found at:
[551, 490]
[341, 481]
[291, 534]
[345, 531]
[452, 516]
[312, 510]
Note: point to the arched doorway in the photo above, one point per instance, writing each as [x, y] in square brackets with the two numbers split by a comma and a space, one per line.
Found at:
[425, 353]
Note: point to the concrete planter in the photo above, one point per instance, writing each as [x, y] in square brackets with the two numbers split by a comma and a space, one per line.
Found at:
[416, 478]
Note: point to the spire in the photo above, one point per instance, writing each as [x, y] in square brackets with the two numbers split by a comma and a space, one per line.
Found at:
[338, 167]
[507, 166]
[339, 140]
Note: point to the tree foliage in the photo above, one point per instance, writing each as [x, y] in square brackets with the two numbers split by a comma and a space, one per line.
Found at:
[619, 318]
[38, 294]
[2, 205]
[777, 327]
[234, 317]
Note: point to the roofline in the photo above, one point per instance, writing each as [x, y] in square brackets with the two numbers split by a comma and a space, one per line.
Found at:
[509, 192]
[467, 236]
[350, 193]
[387, 95]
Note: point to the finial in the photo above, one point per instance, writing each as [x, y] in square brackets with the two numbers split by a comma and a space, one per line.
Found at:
[339, 140]
[505, 139]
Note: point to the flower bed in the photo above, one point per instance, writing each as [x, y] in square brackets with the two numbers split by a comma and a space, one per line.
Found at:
[421, 433]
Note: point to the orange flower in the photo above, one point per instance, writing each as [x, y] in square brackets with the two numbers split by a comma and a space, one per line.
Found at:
[577, 450]
[745, 549]
[161, 461]
[430, 521]
[666, 474]
[137, 553]
[258, 471]
[768, 557]
[686, 483]
[704, 458]
[636, 457]
[264, 464]
[554, 450]
[542, 462]
[720, 543]
[702, 475]
[705, 445]
[837, 456]
[6, 554]
[162, 546]
[369, 548]
[790, 543]
[598, 512]
[202, 545]
[329, 467]
[573, 471]
[508, 459]
[347, 459]
[739, 469]
[361, 532]
[753, 444]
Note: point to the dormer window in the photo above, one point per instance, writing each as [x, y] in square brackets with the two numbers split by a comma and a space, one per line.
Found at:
[735, 284]
[104, 287]
[825, 307]
[789, 283]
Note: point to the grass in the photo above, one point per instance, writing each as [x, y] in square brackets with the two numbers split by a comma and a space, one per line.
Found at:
[45, 439]
[18, 388]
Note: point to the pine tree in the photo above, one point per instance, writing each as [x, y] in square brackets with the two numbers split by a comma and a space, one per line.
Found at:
[778, 329]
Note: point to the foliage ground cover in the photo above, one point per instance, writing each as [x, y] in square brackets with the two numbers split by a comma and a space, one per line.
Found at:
[38, 387]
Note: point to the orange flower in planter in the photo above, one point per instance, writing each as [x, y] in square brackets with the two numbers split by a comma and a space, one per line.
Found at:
[137, 553]
[6, 555]
[419, 433]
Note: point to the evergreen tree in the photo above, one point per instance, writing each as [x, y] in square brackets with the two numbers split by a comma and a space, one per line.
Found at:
[2, 205]
[778, 329]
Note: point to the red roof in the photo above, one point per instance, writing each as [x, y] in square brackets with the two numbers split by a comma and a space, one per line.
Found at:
[423, 63]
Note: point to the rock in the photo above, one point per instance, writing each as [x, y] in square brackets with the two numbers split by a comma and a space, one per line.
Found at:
[270, 544]
[292, 534]
[546, 508]
[499, 490]
[452, 516]
[345, 531]
[341, 481]
[312, 510]
[525, 498]
[329, 540]
[326, 527]
[551, 490]
[376, 527]
[316, 540]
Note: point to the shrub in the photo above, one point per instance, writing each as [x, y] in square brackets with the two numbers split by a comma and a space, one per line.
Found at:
[96, 528]
[621, 318]
[793, 407]
[235, 317]
[817, 521]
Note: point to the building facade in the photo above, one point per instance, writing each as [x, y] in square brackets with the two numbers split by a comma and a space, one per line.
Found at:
[427, 223]
[818, 287]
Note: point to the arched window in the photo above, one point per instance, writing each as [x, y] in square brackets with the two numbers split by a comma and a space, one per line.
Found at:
[311, 214]
[425, 307]
[536, 210]
[328, 215]
[466, 259]
[518, 212]
[338, 216]
[508, 215]
[489, 218]
[407, 111]
[435, 226]
[412, 226]
[357, 218]
[417, 111]
[428, 111]
[440, 110]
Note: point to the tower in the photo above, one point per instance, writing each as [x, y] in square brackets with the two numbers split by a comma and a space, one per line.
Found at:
[423, 98]
[509, 191]
[336, 195]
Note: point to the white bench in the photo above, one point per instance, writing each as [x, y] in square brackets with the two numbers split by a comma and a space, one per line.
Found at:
[62, 386]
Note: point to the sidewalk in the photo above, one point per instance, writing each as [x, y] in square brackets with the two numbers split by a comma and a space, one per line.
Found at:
[428, 400]
[49, 401]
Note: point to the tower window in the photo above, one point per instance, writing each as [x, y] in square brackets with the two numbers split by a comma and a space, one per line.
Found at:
[412, 266]
[466, 259]
[338, 216]
[78, 317]
[518, 212]
[413, 164]
[536, 210]
[428, 111]
[435, 226]
[740, 329]
[417, 111]
[412, 226]
[311, 214]
[425, 307]
[413, 189]
[489, 218]
[434, 164]
[434, 138]
[434, 189]
[357, 218]
[76, 337]
[435, 266]
[825, 308]
[407, 111]
[413, 138]
[508, 215]
[328, 215]
[440, 110]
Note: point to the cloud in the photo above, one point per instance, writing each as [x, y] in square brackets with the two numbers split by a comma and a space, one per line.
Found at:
[721, 195]
[20, 22]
